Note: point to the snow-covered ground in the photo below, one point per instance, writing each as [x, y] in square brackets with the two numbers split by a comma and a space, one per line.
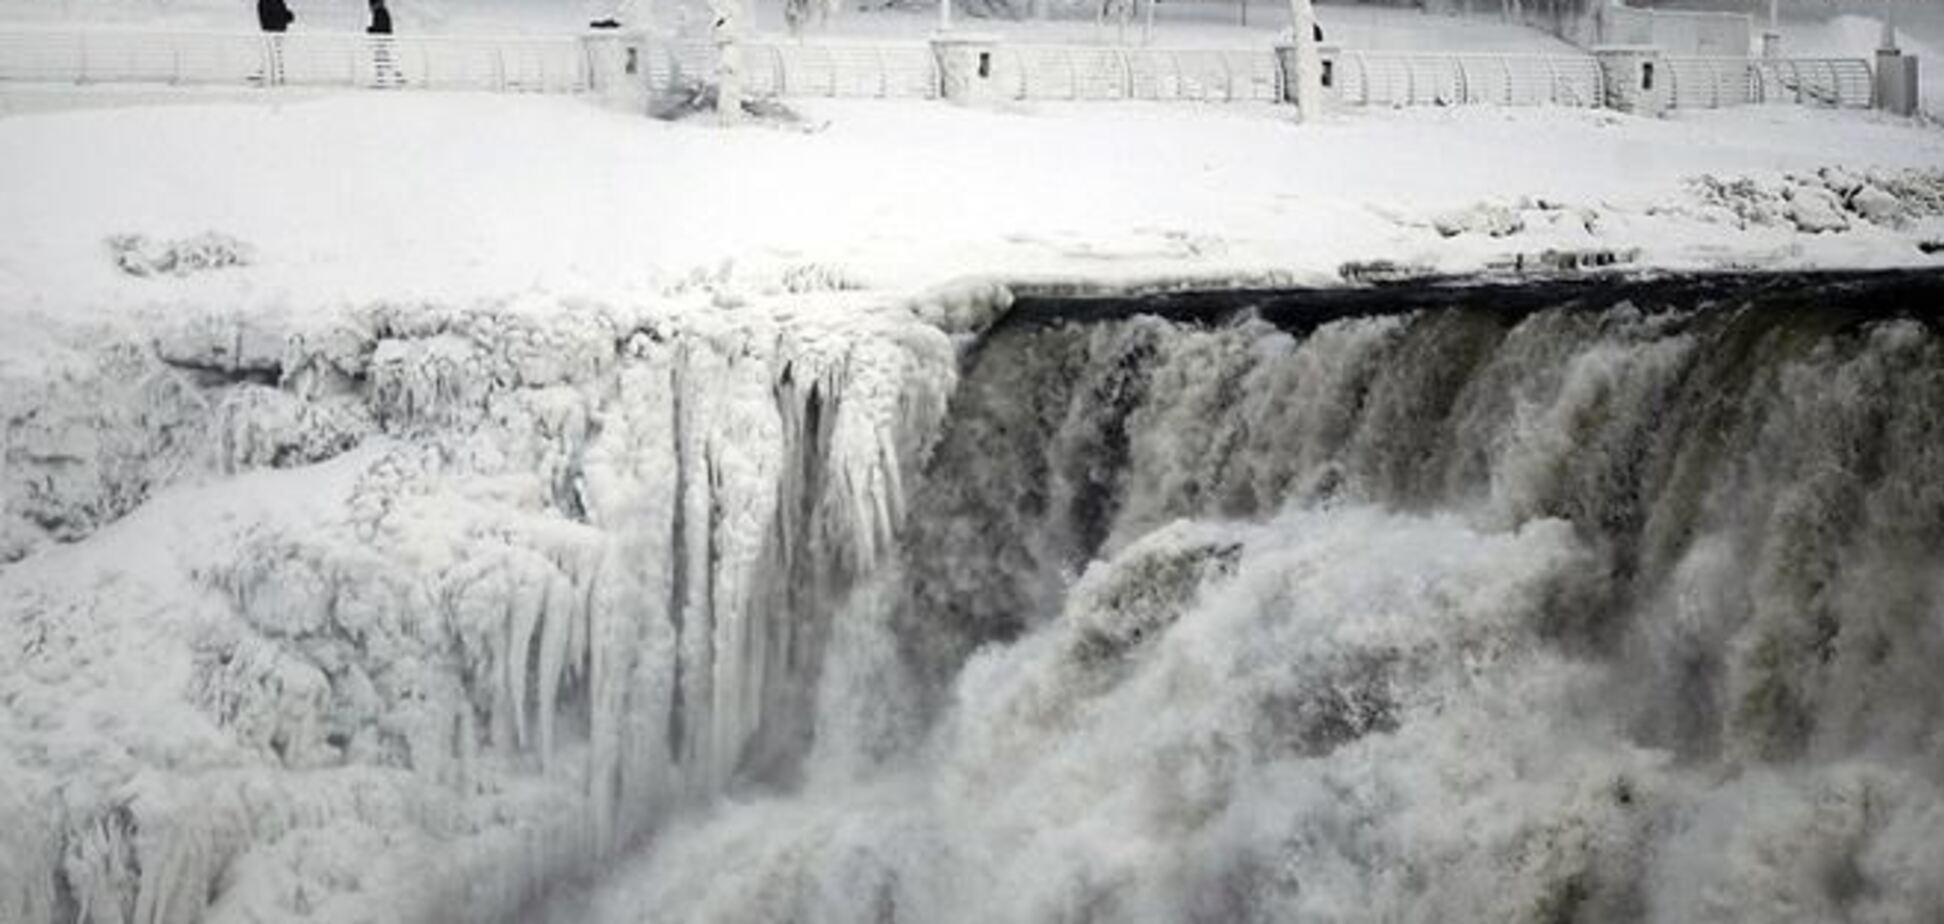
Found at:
[348, 198]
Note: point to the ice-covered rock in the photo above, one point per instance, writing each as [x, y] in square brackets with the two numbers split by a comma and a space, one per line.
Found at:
[1815, 209]
[574, 567]
[1489, 219]
[139, 256]
[1876, 205]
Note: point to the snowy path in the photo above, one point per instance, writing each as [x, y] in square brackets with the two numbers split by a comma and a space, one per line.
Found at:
[351, 198]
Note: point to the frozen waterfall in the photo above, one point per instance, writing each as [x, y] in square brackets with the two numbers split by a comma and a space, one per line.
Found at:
[578, 572]
[1603, 602]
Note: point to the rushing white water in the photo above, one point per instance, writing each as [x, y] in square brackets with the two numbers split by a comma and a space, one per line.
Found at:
[1606, 614]
[1596, 612]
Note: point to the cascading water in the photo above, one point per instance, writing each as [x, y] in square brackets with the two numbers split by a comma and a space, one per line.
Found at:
[1506, 605]
[1598, 602]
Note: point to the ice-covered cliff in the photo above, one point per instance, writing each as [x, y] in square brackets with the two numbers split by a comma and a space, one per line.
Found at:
[402, 613]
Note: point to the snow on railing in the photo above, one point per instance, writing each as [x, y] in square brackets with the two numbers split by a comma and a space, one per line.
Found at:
[832, 69]
[1712, 83]
[898, 69]
[1080, 72]
[1021, 72]
[514, 64]
[1424, 79]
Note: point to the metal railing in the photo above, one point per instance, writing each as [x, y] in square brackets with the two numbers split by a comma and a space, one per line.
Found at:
[1419, 79]
[521, 64]
[899, 69]
[1714, 83]
[884, 70]
[1080, 72]
[1019, 72]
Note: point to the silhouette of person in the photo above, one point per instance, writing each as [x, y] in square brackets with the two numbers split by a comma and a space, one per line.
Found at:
[380, 19]
[274, 16]
[384, 68]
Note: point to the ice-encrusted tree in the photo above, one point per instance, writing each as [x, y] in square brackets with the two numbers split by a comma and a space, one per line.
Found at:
[1309, 66]
[726, 32]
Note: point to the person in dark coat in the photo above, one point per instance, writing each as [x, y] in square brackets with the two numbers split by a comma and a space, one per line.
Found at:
[380, 19]
[274, 16]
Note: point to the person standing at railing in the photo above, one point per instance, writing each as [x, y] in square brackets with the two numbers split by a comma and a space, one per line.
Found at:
[273, 16]
[384, 67]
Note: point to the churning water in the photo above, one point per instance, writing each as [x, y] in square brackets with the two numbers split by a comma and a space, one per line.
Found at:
[1594, 603]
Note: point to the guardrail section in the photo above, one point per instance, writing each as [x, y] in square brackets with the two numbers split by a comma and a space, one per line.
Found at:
[538, 65]
[1714, 83]
[1416, 79]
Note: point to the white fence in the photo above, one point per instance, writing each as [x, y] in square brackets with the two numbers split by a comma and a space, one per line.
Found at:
[1052, 72]
[900, 70]
[837, 70]
[1019, 72]
[1414, 79]
[1712, 83]
[539, 65]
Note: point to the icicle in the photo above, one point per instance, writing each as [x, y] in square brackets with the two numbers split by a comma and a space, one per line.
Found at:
[560, 607]
[527, 610]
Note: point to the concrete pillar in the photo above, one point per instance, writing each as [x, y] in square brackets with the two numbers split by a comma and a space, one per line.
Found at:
[968, 65]
[1329, 58]
[1896, 82]
[1636, 78]
[618, 66]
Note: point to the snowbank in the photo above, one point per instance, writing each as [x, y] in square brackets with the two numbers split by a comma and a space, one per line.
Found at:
[350, 198]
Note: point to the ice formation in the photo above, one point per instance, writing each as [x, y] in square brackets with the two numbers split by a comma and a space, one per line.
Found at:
[545, 573]
[1592, 610]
